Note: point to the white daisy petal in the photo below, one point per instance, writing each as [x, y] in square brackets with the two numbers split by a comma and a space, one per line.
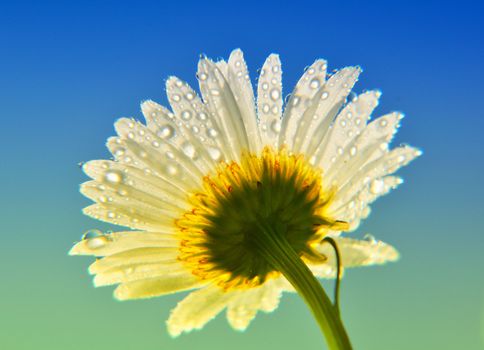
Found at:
[194, 122]
[355, 252]
[313, 129]
[153, 287]
[144, 255]
[269, 100]
[128, 218]
[197, 309]
[357, 207]
[348, 124]
[165, 159]
[371, 144]
[223, 107]
[238, 78]
[242, 309]
[126, 178]
[117, 242]
[135, 199]
[137, 272]
[366, 175]
[310, 83]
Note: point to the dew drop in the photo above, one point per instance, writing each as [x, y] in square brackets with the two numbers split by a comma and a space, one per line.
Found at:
[369, 238]
[275, 94]
[171, 169]
[113, 176]
[202, 76]
[215, 92]
[91, 234]
[324, 95]
[166, 132]
[296, 101]
[190, 96]
[353, 151]
[202, 116]
[95, 240]
[212, 132]
[186, 115]
[214, 153]
[189, 150]
[266, 108]
[377, 186]
[275, 69]
[176, 98]
[119, 152]
[314, 84]
[195, 129]
[383, 123]
[265, 86]
[276, 126]
[342, 123]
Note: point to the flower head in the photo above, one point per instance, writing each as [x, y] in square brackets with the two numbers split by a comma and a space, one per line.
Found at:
[213, 186]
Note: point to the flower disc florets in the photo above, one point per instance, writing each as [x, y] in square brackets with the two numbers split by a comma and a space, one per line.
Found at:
[220, 236]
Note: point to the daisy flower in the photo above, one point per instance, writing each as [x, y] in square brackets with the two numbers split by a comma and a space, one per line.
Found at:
[237, 198]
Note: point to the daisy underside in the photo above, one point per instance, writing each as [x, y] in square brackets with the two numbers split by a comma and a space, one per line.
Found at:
[207, 186]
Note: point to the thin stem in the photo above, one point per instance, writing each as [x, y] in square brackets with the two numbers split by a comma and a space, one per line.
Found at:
[279, 253]
[332, 242]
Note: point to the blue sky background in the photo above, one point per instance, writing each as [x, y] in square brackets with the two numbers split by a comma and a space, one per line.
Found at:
[69, 69]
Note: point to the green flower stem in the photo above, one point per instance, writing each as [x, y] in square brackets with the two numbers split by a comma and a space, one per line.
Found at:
[279, 253]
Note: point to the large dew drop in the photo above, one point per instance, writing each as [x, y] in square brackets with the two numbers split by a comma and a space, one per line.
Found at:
[114, 176]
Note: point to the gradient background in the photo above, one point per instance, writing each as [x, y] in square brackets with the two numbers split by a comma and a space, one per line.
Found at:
[68, 70]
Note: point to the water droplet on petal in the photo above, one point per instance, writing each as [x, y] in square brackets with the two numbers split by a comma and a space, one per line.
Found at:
[186, 115]
[265, 86]
[314, 84]
[370, 238]
[275, 94]
[324, 95]
[212, 132]
[353, 151]
[171, 169]
[189, 150]
[166, 132]
[214, 153]
[276, 126]
[377, 186]
[202, 76]
[190, 96]
[114, 176]
[91, 234]
[202, 116]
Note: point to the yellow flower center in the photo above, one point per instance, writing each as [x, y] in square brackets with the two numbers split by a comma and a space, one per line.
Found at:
[220, 236]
